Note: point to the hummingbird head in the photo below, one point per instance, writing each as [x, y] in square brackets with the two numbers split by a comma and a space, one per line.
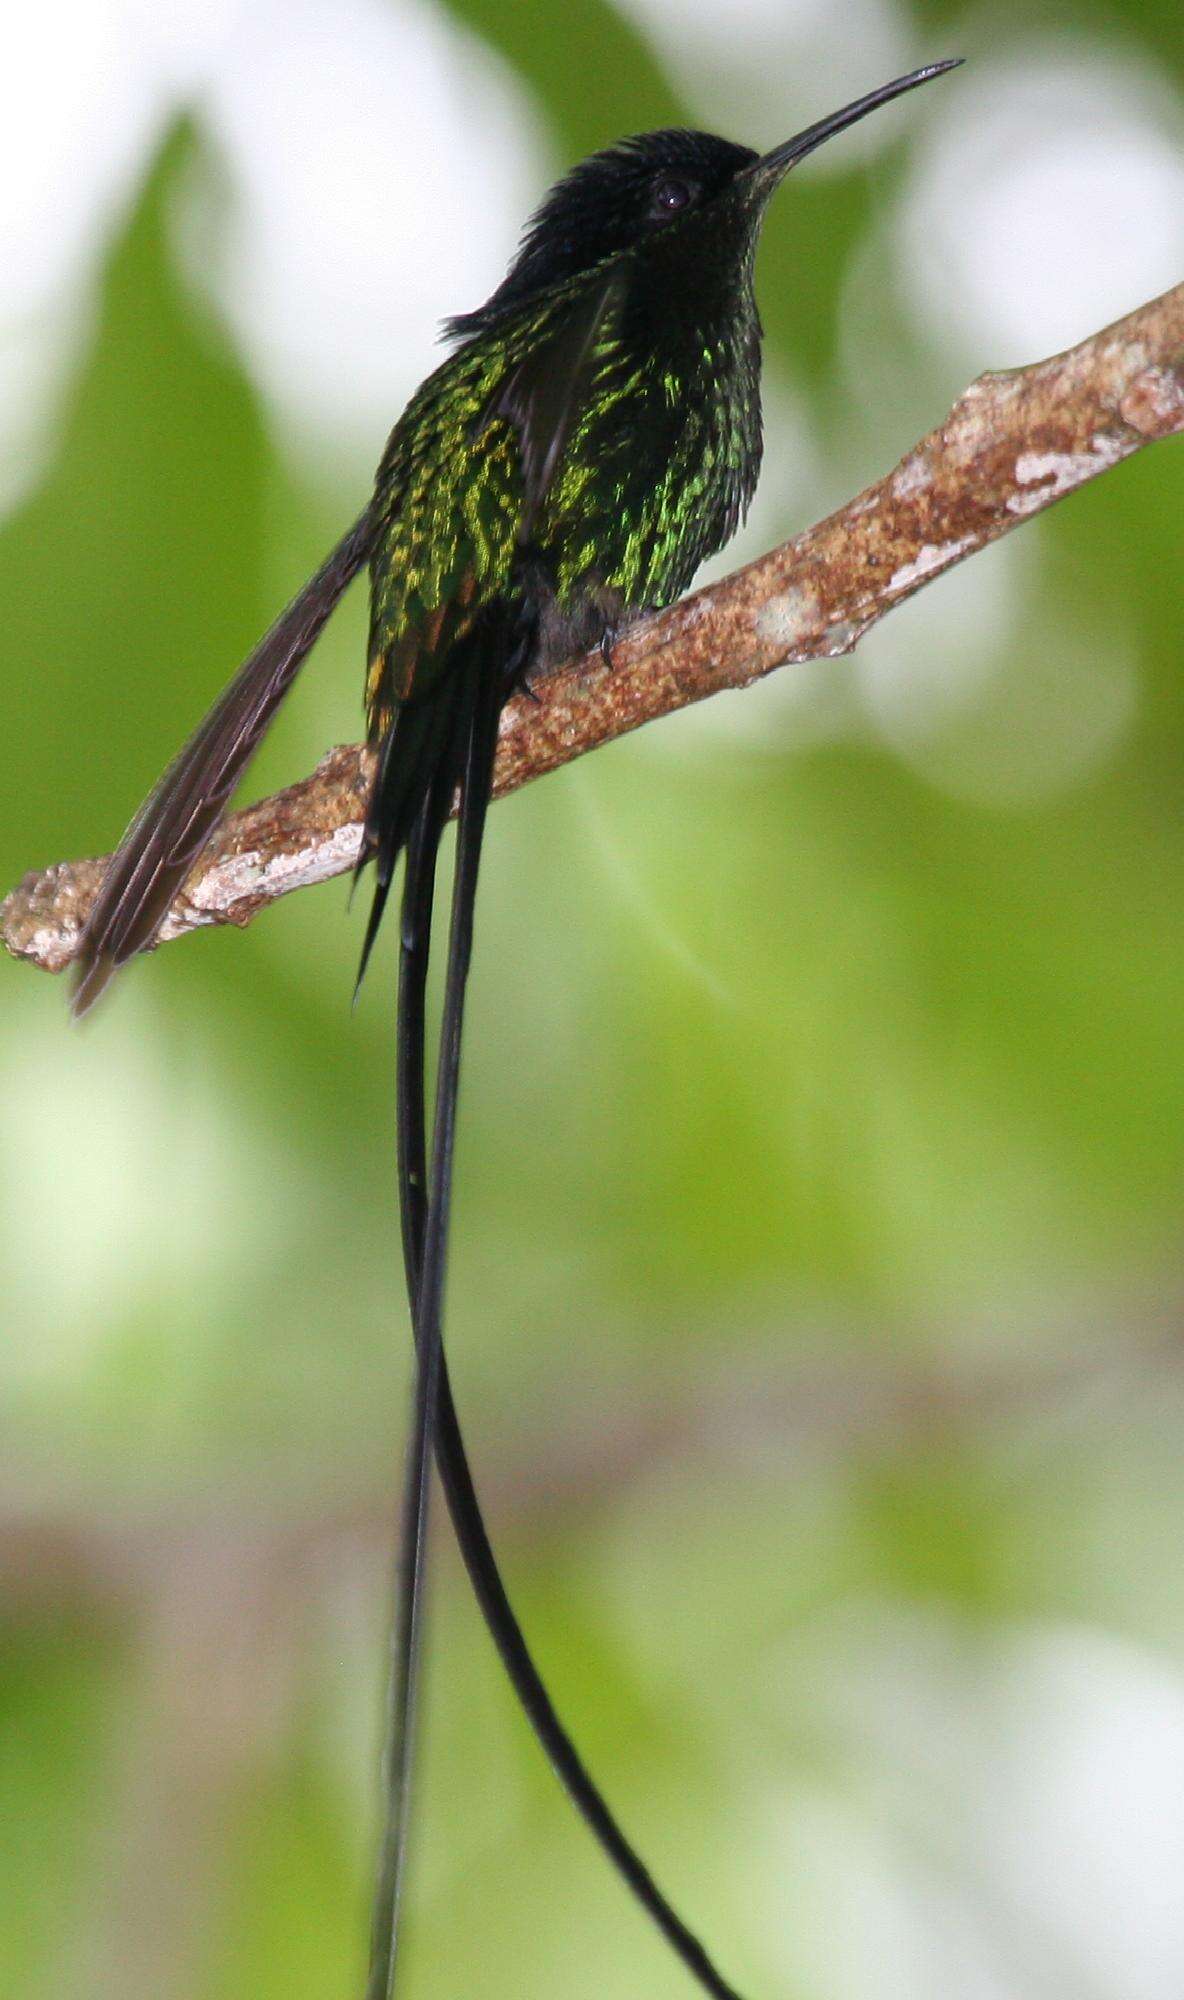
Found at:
[673, 187]
[611, 203]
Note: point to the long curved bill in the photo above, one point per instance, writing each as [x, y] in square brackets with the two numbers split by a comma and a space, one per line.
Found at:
[773, 165]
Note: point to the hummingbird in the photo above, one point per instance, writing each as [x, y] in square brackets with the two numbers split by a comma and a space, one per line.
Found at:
[593, 435]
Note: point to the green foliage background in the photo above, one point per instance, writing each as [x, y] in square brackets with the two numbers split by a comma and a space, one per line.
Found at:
[816, 1274]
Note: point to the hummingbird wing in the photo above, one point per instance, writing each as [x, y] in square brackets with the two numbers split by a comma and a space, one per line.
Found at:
[541, 394]
[537, 399]
[176, 820]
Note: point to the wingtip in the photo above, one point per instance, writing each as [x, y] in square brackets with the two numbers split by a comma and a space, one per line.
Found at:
[367, 947]
[89, 978]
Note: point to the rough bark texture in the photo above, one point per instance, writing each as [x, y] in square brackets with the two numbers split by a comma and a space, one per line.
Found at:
[1011, 445]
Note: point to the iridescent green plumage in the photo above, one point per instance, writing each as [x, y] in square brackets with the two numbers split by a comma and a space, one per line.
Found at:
[659, 457]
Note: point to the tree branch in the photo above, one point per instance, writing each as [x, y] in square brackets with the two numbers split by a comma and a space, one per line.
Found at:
[1012, 445]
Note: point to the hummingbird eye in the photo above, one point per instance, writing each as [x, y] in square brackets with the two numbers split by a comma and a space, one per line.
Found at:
[668, 196]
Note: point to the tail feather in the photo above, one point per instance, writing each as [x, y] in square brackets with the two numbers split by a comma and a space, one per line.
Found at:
[416, 1208]
[474, 699]
[451, 1455]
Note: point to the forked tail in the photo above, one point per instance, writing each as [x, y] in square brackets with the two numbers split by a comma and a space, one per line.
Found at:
[424, 1214]
[449, 737]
